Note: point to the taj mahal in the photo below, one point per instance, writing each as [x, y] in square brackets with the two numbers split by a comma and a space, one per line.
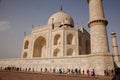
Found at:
[58, 44]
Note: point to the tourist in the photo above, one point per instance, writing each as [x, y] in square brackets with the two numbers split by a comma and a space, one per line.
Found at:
[79, 71]
[105, 72]
[60, 71]
[76, 71]
[54, 70]
[63, 71]
[93, 72]
[72, 71]
[45, 70]
[83, 72]
[41, 70]
[29, 69]
[20, 68]
[88, 72]
[68, 71]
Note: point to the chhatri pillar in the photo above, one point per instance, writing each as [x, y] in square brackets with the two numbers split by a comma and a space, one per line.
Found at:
[115, 47]
[97, 24]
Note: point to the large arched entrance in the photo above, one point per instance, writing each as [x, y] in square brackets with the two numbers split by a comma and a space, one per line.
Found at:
[39, 47]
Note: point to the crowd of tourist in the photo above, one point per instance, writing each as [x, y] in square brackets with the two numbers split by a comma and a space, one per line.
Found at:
[59, 71]
[108, 72]
[45, 70]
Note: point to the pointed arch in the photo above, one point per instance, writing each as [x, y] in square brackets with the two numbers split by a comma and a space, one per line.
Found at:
[25, 55]
[56, 52]
[39, 47]
[70, 39]
[56, 39]
[70, 52]
[26, 44]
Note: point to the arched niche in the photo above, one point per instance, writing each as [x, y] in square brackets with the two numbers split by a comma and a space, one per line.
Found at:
[26, 44]
[56, 52]
[57, 39]
[39, 47]
[70, 39]
[25, 55]
[70, 52]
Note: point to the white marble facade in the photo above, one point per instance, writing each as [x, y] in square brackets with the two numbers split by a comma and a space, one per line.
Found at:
[59, 44]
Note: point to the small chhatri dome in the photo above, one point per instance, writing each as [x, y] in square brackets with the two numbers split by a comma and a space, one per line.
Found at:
[59, 17]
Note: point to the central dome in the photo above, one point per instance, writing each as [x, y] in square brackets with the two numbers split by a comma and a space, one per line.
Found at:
[60, 17]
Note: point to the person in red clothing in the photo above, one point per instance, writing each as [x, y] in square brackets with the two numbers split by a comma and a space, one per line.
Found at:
[83, 72]
[88, 72]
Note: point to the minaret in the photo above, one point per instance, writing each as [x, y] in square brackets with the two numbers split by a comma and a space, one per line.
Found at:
[115, 47]
[97, 24]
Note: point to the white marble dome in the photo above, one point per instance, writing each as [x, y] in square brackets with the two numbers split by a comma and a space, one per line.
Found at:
[60, 17]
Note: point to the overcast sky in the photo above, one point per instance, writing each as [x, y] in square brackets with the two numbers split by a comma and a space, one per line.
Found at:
[17, 17]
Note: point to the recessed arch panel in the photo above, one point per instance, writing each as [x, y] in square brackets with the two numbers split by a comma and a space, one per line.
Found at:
[26, 44]
[57, 39]
[70, 52]
[25, 55]
[39, 47]
[70, 39]
[56, 52]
